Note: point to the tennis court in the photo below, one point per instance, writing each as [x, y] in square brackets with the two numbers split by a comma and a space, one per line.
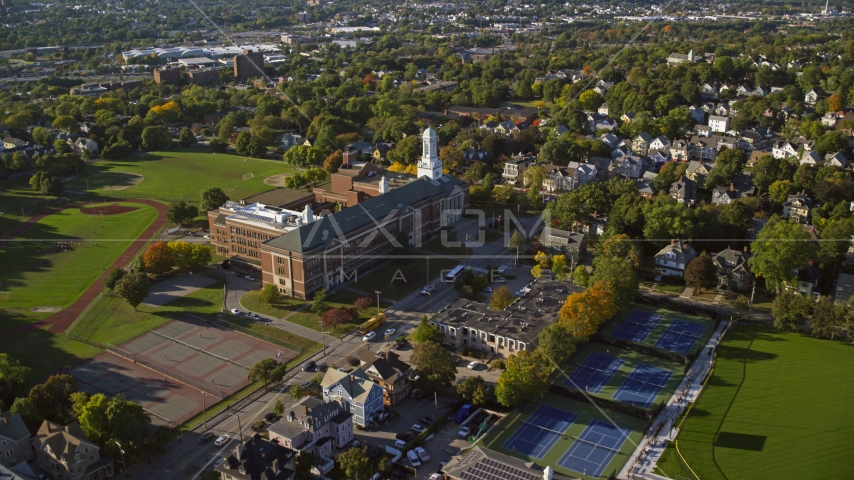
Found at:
[643, 385]
[680, 336]
[536, 436]
[594, 448]
[636, 326]
[596, 371]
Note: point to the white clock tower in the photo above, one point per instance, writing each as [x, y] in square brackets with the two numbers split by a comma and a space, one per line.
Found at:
[429, 165]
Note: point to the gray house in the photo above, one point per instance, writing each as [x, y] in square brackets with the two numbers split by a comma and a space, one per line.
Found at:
[573, 245]
[359, 396]
[672, 259]
[732, 269]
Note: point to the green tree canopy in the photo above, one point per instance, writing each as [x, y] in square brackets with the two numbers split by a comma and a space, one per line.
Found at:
[435, 364]
[780, 248]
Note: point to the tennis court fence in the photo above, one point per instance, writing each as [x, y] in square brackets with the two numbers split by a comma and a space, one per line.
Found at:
[645, 349]
[218, 320]
[647, 415]
[178, 377]
[200, 350]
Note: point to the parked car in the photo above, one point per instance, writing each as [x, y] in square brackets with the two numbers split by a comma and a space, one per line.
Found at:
[389, 332]
[435, 476]
[425, 420]
[381, 416]
[500, 280]
[247, 277]
[417, 428]
[422, 454]
[236, 311]
[415, 392]
[398, 444]
[369, 336]
[305, 384]
[374, 453]
[413, 458]
[322, 366]
[208, 237]
[270, 416]
[222, 440]
[205, 437]
[487, 289]
[420, 395]
[240, 275]
[308, 366]
[464, 431]
[472, 365]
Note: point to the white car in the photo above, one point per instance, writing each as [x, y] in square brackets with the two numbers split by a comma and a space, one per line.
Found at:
[464, 431]
[435, 476]
[236, 311]
[427, 289]
[208, 237]
[247, 277]
[220, 441]
[417, 428]
[472, 365]
[369, 336]
[487, 289]
[305, 384]
[413, 458]
[389, 332]
[422, 454]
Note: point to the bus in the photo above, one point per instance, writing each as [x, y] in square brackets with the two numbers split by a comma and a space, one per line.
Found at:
[453, 274]
[372, 324]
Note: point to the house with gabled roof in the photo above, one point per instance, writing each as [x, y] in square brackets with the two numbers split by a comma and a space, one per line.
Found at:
[797, 208]
[260, 459]
[733, 269]
[359, 395]
[672, 259]
[15, 445]
[640, 144]
[65, 452]
[684, 190]
[387, 370]
[698, 171]
[315, 426]
[836, 159]
[811, 158]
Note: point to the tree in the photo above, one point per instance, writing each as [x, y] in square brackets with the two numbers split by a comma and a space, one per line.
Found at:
[768, 170]
[113, 277]
[557, 343]
[525, 378]
[241, 145]
[435, 364]
[355, 463]
[212, 199]
[159, 258]
[363, 303]
[278, 408]
[426, 332]
[133, 288]
[12, 373]
[559, 267]
[779, 191]
[303, 156]
[534, 176]
[474, 390]
[835, 240]
[583, 313]
[333, 161]
[834, 103]
[156, 138]
[181, 212]
[517, 241]
[338, 316]
[700, 272]
[619, 274]
[296, 392]
[256, 148]
[28, 412]
[66, 124]
[320, 305]
[270, 295]
[590, 100]
[186, 137]
[504, 194]
[218, 145]
[580, 276]
[109, 420]
[620, 246]
[263, 370]
[728, 166]
[42, 136]
[790, 310]
[52, 398]
[501, 298]
[828, 319]
[780, 248]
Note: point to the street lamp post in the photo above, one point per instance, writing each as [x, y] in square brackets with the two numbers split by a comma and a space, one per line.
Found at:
[322, 336]
[430, 294]
[378, 300]
[204, 408]
[122, 452]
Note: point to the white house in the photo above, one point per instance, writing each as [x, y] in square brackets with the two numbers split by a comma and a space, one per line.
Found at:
[659, 143]
[811, 158]
[811, 97]
[672, 259]
[718, 124]
[784, 149]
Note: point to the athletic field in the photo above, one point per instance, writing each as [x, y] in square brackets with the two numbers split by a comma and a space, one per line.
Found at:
[778, 406]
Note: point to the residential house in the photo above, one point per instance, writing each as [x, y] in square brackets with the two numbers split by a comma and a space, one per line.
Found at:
[849, 255]
[698, 172]
[640, 144]
[84, 143]
[629, 166]
[515, 167]
[380, 150]
[718, 123]
[811, 97]
[697, 113]
[702, 148]
[784, 149]
[480, 463]
[836, 159]
[573, 245]
[12, 143]
[805, 282]
[65, 453]
[672, 259]
[315, 426]
[703, 130]
[721, 110]
[627, 117]
[475, 154]
[709, 89]
[290, 140]
[831, 118]
[15, 444]
[387, 370]
[359, 396]
[797, 208]
[733, 269]
[558, 179]
[259, 459]
[603, 109]
[659, 143]
[684, 191]
[677, 58]
[741, 187]
[506, 128]
[679, 150]
[584, 173]
[844, 289]
[361, 147]
[646, 187]
[811, 158]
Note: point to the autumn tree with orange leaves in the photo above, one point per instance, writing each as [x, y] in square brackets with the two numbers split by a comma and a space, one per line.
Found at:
[585, 312]
[158, 259]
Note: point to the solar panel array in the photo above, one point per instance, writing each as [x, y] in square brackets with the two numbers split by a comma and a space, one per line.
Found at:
[489, 469]
[254, 216]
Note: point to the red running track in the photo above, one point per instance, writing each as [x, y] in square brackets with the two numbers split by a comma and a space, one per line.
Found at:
[61, 321]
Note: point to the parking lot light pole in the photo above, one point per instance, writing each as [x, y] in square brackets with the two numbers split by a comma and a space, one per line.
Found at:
[122, 452]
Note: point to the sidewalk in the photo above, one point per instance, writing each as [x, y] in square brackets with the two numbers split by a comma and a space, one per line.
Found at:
[643, 461]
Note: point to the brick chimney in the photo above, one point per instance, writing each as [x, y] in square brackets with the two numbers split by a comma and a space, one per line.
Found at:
[305, 409]
[732, 187]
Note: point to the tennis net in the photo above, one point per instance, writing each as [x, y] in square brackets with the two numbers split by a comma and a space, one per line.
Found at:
[542, 428]
[596, 445]
[220, 357]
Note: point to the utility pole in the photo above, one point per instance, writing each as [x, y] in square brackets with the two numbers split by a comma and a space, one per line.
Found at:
[239, 428]
[122, 452]
[204, 408]
[378, 300]
[750, 305]
[322, 336]
[430, 294]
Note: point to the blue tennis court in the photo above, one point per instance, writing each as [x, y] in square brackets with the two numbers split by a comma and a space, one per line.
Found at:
[596, 371]
[538, 434]
[680, 336]
[594, 448]
[636, 326]
[643, 385]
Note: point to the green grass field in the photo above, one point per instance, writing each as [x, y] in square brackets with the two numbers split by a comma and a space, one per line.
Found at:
[173, 174]
[37, 274]
[586, 414]
[777, 406]
[632, 360]
[383, 278]
[45, 352]
[343, 298]
[111, 320]
[663, 324]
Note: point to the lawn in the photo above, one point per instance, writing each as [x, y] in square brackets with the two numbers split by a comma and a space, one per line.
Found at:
[586, 412]
[113, 321]
[46, 353]
[401, 277]
[777, 406]
[631, 360]
[179, 173]
[343, 298]
[39, 274]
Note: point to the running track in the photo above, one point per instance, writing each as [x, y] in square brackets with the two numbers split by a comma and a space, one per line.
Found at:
[61, 321]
